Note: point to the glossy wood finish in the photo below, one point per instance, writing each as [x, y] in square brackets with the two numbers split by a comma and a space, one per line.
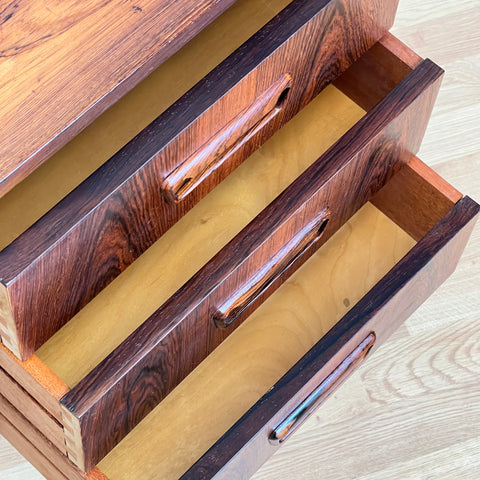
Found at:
[186, 247]
[244, 447]
[90, 149]
[134, 455]
[250, 361]
[409, 411]
[81, 344]
[63, 64]
[363, 159]
[122, 460]
[218, 149]
[245, 293]
[120, 210]
[287, 427]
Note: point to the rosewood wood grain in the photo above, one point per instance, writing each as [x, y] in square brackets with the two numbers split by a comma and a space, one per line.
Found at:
[63, 65]
[240, 452]
[99, 229]
[202, 163]
[175, 339]
[246, 293]
[152, 452]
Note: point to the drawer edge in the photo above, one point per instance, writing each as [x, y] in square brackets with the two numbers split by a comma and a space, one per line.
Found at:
[245, 447]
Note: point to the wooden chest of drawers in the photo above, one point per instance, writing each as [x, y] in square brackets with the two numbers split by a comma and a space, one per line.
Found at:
[306, 338]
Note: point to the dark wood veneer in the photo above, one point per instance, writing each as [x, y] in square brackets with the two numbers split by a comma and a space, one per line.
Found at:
[159, 354]
[241, 451]
[98, 230]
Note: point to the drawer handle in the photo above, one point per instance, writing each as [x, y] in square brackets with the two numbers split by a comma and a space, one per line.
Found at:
[231, 309]
[288, 426]
[196, 168]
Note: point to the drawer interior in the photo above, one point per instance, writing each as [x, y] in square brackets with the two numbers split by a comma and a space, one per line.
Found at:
[65, 170]
[215, 395]
[284, 328]
[259, 352]
[169, 263]
[143, 287]
[130, 299]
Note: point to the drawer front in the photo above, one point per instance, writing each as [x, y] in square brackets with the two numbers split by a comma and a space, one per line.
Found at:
[75, 63]
[126, 205]
[257, 435]
[246, 271]
[448, 242]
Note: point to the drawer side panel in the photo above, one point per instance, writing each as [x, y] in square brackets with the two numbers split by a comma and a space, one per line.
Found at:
[245, 447]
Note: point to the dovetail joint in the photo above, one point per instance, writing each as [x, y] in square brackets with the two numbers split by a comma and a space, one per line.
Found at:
[73, 438]
[8, 331]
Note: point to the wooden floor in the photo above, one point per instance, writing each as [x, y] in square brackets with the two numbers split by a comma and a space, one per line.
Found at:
[413, 411]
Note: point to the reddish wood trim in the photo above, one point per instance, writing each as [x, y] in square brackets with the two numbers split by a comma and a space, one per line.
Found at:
[401, 51]
[160, 353]
[36, 379]
[241, 451]
[432, 177]
[416, 198]
[378, 72]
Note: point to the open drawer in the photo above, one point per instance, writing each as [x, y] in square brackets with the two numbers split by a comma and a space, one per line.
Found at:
[204, 125]
[397, 90]
[256, 388]
[124, 354]
[276, 234]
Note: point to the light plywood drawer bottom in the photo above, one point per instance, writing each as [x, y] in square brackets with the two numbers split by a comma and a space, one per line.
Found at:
[234, 395]
[366, 279]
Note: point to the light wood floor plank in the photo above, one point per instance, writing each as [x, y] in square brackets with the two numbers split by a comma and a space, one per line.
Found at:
[426, 424]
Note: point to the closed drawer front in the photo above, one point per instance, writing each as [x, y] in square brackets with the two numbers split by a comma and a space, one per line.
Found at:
[124, 206]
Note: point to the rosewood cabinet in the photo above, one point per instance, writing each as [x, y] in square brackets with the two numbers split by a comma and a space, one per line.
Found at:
[188, 279]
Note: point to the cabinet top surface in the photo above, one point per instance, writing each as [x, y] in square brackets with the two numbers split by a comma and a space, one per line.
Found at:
[63, 62]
